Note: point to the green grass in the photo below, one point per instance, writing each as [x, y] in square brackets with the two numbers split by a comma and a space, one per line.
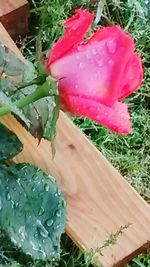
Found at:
[129, 153]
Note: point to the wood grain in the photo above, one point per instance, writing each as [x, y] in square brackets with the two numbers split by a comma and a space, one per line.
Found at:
[99, 200]
[14, 17]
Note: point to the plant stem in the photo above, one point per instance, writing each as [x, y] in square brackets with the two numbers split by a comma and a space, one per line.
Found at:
[40, 92]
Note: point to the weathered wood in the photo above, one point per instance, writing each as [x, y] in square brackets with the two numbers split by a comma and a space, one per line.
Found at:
[14, 17]
[99, 199]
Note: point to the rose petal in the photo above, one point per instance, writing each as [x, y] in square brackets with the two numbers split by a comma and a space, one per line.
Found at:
[76, 27]
[116, 118]
[133, 76]
[115, 31]
[96, 69]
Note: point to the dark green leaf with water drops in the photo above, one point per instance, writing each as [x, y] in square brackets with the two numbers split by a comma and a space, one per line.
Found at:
[10, 145]
[20, 80]
[43, 114]
[32, 210]
[6, 102]
[50, 126]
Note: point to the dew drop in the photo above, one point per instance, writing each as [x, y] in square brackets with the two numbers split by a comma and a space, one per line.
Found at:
[16, 205]
[49, 222]
[59, 192]
[33, 188]
[79, 48]
[110, 62]
[36, 235]
[111, 46]
[94, 51]
[41, 211]
[100, 62]
[8, 196]
[74, 27]
[14, 241]
[81, 65]
[58, 213]
[46, 187]
[88, 56]
[42, 231]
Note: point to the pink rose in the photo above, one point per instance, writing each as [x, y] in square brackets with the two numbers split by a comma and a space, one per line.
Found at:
[95, 74]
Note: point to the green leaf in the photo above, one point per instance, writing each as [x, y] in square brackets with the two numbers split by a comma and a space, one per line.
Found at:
[10, 64]
[39, 117]
[6, 101]
[10, 145]
[43, 114]
[50, 126]
[32, 210]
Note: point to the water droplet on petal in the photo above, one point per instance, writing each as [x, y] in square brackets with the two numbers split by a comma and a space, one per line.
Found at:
[88, 56]
[49, 222]
[110, 62]
[79, 48]
[100, 62]
[111, 46]
[94, 51]
[81, 65]
[74, 27]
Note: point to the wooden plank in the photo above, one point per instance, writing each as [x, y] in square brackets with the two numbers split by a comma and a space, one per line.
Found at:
[99, 200]
[14, 17]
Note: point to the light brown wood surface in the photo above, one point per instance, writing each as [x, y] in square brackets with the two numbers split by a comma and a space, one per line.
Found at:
[14, 17]
[99, 200]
